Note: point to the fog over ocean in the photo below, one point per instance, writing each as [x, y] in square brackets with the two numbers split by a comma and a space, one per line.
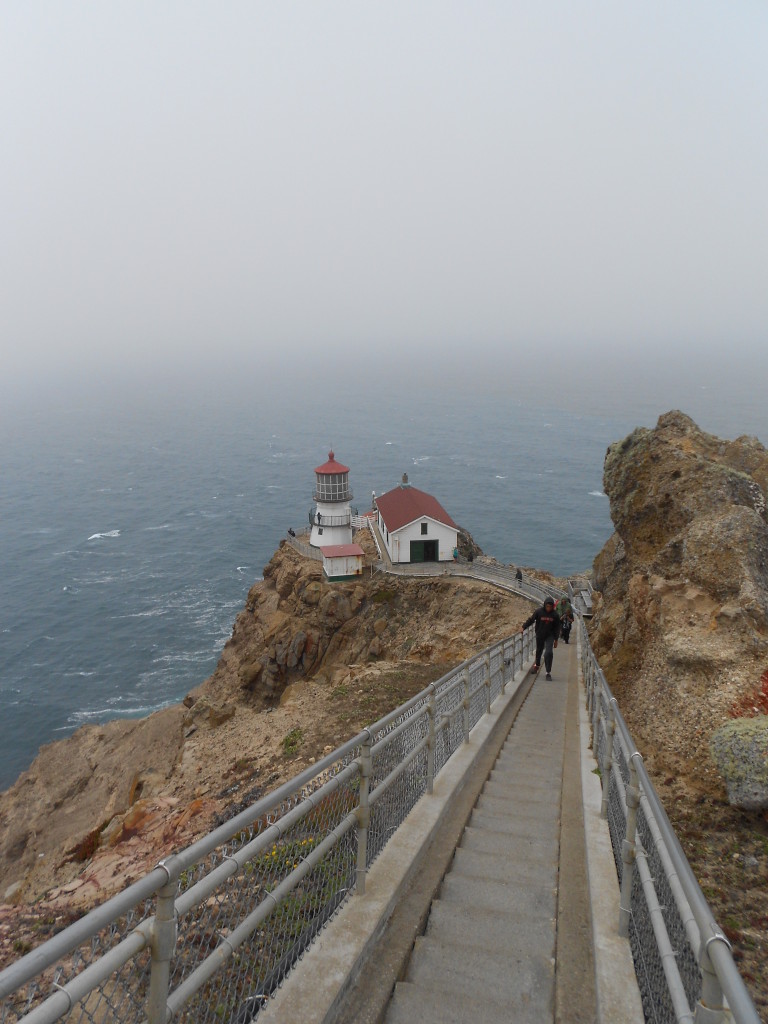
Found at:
[134, 521]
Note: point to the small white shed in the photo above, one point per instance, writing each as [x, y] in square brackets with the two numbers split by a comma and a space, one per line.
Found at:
[342, 561]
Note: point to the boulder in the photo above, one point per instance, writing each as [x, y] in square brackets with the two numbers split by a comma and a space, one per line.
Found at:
[740, 752]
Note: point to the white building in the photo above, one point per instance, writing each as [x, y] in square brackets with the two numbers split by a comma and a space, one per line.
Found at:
[415, 526]
[331, 518]
[342, 561]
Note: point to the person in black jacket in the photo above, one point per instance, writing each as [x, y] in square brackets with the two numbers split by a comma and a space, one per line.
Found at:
[547, 631]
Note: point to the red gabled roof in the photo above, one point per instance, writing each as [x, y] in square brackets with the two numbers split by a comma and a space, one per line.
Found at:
[404, 505]
[341, 550]
[331, 466]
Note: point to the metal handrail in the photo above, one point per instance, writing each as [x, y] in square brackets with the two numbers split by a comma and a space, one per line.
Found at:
[321, 519]
[393, 749]
[699, 948]
[182, 961]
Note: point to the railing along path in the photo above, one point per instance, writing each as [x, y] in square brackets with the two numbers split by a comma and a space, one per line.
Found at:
[214, 929]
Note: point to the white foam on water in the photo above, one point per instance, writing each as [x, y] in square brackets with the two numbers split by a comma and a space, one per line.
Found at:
[151, 613]
[598, 494]
[107, 533]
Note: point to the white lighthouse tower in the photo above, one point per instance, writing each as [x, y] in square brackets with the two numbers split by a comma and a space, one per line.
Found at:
[331, 518]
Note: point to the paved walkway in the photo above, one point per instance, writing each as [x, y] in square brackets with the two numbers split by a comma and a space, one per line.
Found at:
[497, 899]
[488, 953]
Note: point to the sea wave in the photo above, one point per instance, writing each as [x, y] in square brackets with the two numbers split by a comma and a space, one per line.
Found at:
[107, 533]
[150, 613]
[598, 494]
[102, 714]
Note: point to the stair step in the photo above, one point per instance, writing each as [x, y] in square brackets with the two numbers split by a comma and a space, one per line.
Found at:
[411, 1003]
[521, 849]
[538, 896]
[510, 929]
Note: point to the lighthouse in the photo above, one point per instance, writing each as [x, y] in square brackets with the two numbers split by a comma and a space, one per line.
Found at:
[331, 518]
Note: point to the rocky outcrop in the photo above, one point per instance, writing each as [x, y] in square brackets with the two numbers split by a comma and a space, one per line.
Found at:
[682, 627]
[680, 631]
[305, 658]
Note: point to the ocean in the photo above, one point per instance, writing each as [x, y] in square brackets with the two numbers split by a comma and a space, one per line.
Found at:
[135, 521]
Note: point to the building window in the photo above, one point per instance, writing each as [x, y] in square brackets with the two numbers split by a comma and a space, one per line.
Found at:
[319, 529]
[423, 529]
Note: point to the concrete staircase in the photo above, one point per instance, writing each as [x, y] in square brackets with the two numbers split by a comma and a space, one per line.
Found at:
[488, 952]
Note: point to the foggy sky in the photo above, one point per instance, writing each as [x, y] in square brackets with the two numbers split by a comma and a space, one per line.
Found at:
[203, 182]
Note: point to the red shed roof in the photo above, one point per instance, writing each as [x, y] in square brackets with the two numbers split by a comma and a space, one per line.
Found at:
[404, 505]
[342, 550]
[331, 466]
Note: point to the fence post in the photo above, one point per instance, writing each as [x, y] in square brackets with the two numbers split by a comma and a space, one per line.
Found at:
[487, 683]
[710, 1008]
[163, 944]
[628, 848]
[465, 705]
[605, 768]
[431, 740]
[363, 815]
[596, 719]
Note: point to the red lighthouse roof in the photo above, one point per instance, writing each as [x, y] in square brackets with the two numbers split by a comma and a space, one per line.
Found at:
[331, 466]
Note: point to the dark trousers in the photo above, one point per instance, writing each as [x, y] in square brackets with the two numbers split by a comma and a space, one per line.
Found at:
[545, 644]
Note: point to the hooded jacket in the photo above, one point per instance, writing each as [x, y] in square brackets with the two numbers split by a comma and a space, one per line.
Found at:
[547, 623]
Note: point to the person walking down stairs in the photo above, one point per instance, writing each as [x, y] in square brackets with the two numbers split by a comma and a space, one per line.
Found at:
[547, 623]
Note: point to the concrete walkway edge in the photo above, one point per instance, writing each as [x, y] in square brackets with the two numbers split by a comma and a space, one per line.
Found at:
[618, 997]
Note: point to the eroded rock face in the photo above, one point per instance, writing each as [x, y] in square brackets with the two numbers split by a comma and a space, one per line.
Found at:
[681, 629]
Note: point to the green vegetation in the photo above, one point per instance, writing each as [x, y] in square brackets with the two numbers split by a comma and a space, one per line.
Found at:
[292, 741]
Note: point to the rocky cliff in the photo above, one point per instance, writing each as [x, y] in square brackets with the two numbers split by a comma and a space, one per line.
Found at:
[681, 631]
[308, 665]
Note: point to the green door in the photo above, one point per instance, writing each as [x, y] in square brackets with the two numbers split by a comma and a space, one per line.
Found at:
[424, 550]
[417, 550]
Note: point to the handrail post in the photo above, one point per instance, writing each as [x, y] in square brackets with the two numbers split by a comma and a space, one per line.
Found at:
[596, 719]
[487, 683]
[710, 1008]
[605, 768]
[363, 814]
[628, 848]
[431, 741]
[163, 943]
[588, 672]
[465, 705]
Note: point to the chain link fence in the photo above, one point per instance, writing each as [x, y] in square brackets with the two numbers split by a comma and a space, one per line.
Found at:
[682, 960]
[214, 929]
